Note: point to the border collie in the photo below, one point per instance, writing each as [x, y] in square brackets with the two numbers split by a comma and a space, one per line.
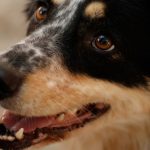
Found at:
[80, 79]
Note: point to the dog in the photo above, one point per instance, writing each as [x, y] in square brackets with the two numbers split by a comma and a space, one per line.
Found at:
[80, 79]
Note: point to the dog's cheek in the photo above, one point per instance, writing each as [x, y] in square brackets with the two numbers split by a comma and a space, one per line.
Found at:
[54, 89]
[47, 92]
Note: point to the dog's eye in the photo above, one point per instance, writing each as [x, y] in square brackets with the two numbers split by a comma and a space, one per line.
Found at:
[103, 43]
[41, 13]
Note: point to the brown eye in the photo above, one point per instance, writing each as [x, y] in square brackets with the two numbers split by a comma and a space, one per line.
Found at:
[41, 13]
[103, 43]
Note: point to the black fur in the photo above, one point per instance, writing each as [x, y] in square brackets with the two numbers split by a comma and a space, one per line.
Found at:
[127, 22]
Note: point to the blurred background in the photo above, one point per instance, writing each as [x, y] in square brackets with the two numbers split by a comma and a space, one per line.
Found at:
[12, 22]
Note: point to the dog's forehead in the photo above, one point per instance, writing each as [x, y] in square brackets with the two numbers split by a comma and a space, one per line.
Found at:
[93, 9]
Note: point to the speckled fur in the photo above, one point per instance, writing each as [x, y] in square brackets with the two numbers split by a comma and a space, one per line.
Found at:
[51, 86]
[29, 50]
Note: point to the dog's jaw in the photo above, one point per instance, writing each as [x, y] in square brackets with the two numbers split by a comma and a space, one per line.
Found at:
[120, 98]
[33, 130]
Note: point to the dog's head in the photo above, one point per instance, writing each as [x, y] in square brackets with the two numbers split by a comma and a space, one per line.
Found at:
[80, 58]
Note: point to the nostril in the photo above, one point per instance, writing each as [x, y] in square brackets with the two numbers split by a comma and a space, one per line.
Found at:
[9, 82]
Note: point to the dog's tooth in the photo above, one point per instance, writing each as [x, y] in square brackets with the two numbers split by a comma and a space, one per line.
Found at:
[61, 117]
[1, 137]
[11, 138]
[5, 137]
[74, 111]
[19, 135]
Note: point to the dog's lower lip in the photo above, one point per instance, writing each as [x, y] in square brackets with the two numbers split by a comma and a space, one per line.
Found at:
[51, 125]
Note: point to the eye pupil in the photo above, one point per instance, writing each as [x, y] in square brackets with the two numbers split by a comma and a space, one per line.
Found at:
[41, 13]
[103, 43]
[103, 40]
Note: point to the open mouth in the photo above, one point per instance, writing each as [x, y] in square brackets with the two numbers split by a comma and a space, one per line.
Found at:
[18, 132]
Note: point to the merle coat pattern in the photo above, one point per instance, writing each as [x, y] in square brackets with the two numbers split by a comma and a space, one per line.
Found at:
[57, 68]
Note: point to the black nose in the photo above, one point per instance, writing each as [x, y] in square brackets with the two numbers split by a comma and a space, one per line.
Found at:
[9, 82]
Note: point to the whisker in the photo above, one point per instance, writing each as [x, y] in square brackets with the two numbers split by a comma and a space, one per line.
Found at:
[69, 110]
[73, 102]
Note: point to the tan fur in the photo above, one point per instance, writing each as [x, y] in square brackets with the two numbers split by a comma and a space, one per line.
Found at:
[95, 10]
[58, 2]
[126, 133]
[53, 90]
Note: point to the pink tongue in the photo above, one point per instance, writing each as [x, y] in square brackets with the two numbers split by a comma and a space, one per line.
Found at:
[15, 122]
[30, 124]
[9, 119]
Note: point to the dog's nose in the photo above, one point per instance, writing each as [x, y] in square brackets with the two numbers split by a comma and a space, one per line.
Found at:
[9, 82]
